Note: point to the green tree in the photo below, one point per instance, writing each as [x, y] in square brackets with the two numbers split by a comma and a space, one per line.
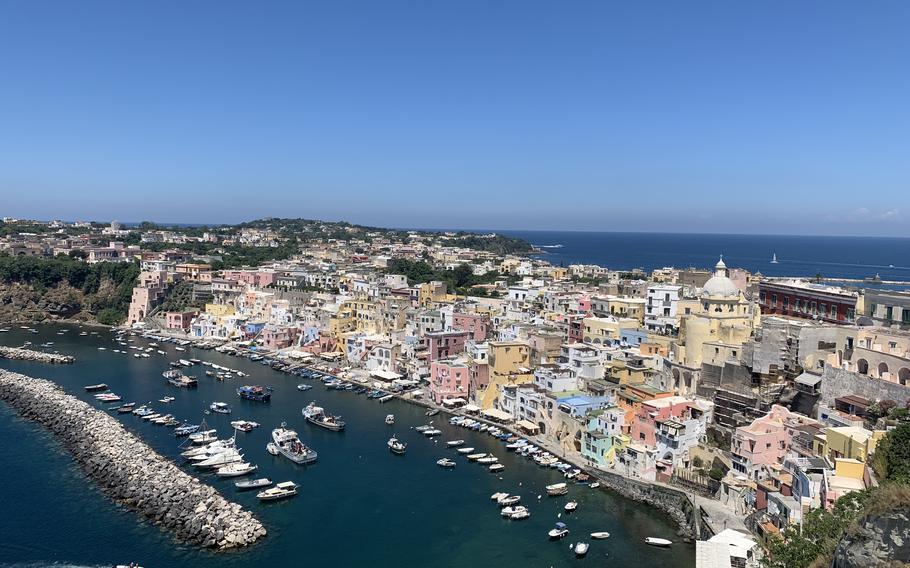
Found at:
[891, 460]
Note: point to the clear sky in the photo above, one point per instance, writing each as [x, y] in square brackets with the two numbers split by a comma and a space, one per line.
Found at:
[774, 116]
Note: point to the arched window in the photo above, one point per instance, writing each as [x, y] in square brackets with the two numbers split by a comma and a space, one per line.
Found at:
[882, 370]
[862, 367]
[903, 376]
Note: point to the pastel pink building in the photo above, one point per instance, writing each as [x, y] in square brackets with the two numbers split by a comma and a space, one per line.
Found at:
[260, 278]
[448, 379]
[477, 324]
[278, 337]
[584, 305]
[444, 344]
[651, 413]
[760, 446]
[180, 320]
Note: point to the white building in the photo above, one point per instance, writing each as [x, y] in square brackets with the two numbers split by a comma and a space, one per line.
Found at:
[662, 308]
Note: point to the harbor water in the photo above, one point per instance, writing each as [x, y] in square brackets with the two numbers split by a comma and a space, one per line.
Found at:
[359, 505]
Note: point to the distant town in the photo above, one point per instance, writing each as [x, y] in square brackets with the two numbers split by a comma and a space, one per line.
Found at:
[763, 399]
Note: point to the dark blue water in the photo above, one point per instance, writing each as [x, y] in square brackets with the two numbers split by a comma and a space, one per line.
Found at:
[359, 505]
[832, 257]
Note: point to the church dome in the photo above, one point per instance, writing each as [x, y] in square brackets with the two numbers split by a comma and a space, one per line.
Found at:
[720, 284]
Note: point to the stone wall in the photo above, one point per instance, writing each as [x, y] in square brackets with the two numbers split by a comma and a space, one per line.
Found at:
[128, 470]
[838, 382]
[30, 355]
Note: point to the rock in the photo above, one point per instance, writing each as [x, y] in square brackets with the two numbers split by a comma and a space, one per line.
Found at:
[127, 469]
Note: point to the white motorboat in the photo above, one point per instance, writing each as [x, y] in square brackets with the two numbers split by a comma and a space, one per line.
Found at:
[272, 448]
[220, 407]
[283, 490]
[204, 437]
[445, 462]
[454, 443]
[290, 446]
[212, 448]
[317, 415]
[519, 513]
[432, 432]
[581, 548]
[508, 500]
[654, 541]
[559, 531]
[475, 457]
[600, 535]
[488, 460]
[570, 506]
[244, 425]
[498, 495]
[557, 489]
[464, 450]
[496, 468]
[595, 485]
[236, 469]
[396, 446]
[252, 484]
[390, 419]
[224, 458]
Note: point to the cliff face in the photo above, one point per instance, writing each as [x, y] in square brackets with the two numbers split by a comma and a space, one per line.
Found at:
[880, 540]
[25, 303]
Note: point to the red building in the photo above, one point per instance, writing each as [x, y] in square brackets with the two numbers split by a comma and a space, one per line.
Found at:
[799, 299]
[477, 324]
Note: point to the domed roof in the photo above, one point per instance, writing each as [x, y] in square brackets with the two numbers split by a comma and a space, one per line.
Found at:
[720, 286]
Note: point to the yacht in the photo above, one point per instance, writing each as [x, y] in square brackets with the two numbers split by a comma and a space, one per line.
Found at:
[316, 415]
[283, 490]
[396, 446]
[290, 446]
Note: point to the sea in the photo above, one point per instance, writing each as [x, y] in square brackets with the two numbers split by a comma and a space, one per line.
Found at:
[359, 505]
[798, 256]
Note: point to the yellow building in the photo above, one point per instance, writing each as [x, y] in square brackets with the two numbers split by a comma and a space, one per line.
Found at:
[559, 273]
[220, 310]
[431, 292]
[850, 442]
[602, 330]
[723, 318]
[509, 363]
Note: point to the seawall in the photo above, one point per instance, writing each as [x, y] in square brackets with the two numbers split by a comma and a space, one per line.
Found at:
[128, 470]
[21, 354]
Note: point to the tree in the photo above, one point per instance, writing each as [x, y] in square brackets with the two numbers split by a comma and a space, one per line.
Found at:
[891, 460]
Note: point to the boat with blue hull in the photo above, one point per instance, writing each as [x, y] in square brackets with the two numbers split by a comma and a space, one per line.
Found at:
[255, 392]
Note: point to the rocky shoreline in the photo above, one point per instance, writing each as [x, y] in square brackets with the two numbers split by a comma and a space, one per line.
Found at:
[21, 354]
[129, 471]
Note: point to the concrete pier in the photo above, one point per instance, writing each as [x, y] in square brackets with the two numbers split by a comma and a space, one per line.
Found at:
[128, 470]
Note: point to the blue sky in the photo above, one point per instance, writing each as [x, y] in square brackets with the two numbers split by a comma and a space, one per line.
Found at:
[776, 116]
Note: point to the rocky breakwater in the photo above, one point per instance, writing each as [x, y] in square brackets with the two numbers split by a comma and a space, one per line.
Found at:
[21, 354]
[128, 470]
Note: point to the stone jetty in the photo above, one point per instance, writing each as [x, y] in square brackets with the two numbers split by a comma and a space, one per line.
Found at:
[21, 354]
[128, 470]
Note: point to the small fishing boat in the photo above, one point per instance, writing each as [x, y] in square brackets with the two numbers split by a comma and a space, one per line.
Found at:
[283, 490]
[432, 412]
[600, 535]
[126, 408]
[454, 443]
[396, 446]
[464, 450]
[558, 531]
[570, 506]
[244, 425]
[508, 500]
[520, 513]
[445, 462]
[390, 419]
[432, 432]
[581, 548]
[248, 484]
[557, 489]
[290, 446]
[316, 415]
[95, 388]
[475, 457]
[220, 407]
[488, 460]
[498, 495]
[661, 542]
[304, 387]
[496, 468]
[254, 392]
[272, 448]
[595, 485]
[185, 430]
[387, 398]
[423, 428]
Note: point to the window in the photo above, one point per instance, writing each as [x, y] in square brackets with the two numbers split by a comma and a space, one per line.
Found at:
[889, 313]
[905, 315]
[774, 300]
[833, 311]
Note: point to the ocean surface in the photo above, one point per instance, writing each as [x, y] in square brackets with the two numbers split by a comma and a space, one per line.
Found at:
[359, 505]
[832, 257]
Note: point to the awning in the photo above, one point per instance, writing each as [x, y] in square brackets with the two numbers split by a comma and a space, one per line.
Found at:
[385, 375]
[527, 426]
[496, 414]
[471, 408]
[453, 401]
[808, 379]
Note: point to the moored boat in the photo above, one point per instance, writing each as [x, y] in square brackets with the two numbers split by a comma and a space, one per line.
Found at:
[95, 388]
[570, 506]
[220, 407]
[661, 542]
[254, 392]
[316, 415]
[496, 468]
[248, 484]
[558, 531]
[581, 548]
[600, 535]
[290, 446]
[445, 462]
[464, 450]
[236, 469]
[396, 446]
[390, 419]
[283, 490]
[557, 489]
[454, 443]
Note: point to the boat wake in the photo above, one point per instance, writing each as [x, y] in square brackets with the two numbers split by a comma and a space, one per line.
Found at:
[549, 246]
